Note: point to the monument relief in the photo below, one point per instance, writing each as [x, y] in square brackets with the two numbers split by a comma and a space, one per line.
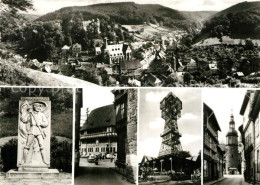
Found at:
[34, 133]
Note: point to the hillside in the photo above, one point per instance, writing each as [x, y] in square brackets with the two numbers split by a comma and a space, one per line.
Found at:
[199, 16]
[124, 13]
[30, 17]
[240, 21]
[240, 7]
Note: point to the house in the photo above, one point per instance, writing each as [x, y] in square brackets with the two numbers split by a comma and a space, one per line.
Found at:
[117, 52]
[213, 67]
[212, 155]
[192, 65]
[97, 50]
[76, 49]
[250, 132]
[125, 103]
[98, 134]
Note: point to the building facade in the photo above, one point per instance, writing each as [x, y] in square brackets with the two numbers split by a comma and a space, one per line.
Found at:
[98, 134]
[232, 148]
[251, 135]
[117, 52]
[125, 104]
[213, 154]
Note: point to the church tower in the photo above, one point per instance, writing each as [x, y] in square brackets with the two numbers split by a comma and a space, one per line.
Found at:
[232, 148]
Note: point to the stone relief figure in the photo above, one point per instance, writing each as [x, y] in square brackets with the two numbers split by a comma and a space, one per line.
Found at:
[33, 121]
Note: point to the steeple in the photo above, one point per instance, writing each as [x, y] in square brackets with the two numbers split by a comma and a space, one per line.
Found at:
[232, 128]
[232, 122]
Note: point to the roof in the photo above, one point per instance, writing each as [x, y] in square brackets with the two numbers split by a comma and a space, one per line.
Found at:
[131, 64]
[115, 48]
[76, 45]
[193, 158]
[65, 47]
[205, 106]
[100, 117]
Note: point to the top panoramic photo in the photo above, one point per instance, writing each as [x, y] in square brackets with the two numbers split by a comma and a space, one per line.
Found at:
[168, 43]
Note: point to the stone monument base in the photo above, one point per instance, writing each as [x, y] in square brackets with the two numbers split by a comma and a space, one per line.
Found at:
[48, 174]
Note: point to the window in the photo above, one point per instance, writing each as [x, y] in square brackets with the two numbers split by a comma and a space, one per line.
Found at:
[90, 149]
[257, 162]
[97, 149]
[109, 129]
[206, 170]
[120, 111]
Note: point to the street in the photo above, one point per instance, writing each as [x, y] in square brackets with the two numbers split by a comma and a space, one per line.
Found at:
[101, 174]
[232, 180]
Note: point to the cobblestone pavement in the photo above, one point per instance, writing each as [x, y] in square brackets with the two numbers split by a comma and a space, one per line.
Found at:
[232, 180]
[101, 174]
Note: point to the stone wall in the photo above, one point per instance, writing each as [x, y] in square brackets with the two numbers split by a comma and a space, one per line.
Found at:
[131, 141]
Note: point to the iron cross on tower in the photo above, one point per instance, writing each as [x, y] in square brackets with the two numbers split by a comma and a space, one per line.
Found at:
[171, 107]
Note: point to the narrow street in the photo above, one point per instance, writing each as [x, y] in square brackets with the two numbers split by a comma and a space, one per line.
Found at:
[101, 174]
[232, 180]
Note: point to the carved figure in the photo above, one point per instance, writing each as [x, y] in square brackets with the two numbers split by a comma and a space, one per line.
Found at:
[33, 121]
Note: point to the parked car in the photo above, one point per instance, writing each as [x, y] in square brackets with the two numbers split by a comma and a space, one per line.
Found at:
[109, 156]
[92, 158]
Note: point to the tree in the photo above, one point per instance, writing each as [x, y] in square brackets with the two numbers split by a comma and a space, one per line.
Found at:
[249, 44]
[15, 6]
[187, 77]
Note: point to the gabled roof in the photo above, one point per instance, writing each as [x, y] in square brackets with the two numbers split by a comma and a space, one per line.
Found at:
[211, 112]
[100, 117]
[65, 47]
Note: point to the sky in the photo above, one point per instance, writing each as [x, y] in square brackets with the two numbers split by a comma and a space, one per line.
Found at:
[222, 101]
[95, 97]
[46, 6]
[151, 124]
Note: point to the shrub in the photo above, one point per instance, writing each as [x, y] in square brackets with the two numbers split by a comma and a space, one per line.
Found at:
[9, 155]
[61, 155]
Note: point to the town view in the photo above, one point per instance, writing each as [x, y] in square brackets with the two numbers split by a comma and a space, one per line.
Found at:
[130, 44]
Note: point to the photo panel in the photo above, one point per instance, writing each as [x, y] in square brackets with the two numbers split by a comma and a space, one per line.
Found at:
[231, 136]
[36, 135]
[106, 136]
[169, 136]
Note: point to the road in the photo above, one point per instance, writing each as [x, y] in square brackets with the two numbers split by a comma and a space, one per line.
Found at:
[101, 174]
[232, 180]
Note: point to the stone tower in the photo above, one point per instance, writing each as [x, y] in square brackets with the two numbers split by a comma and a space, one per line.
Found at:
[232, 148]
[171, 110]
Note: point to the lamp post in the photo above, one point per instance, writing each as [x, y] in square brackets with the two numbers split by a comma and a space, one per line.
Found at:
[154, 166]
[161, 164]
[171, 163]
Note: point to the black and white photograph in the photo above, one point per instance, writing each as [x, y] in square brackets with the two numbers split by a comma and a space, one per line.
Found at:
[106, 136]
[231, 136]
[36, 136]
[168, 43]
[169, 140]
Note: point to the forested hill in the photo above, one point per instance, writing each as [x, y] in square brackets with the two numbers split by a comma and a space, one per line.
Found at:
[239, 21]
[125, 13]
[240, 7]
